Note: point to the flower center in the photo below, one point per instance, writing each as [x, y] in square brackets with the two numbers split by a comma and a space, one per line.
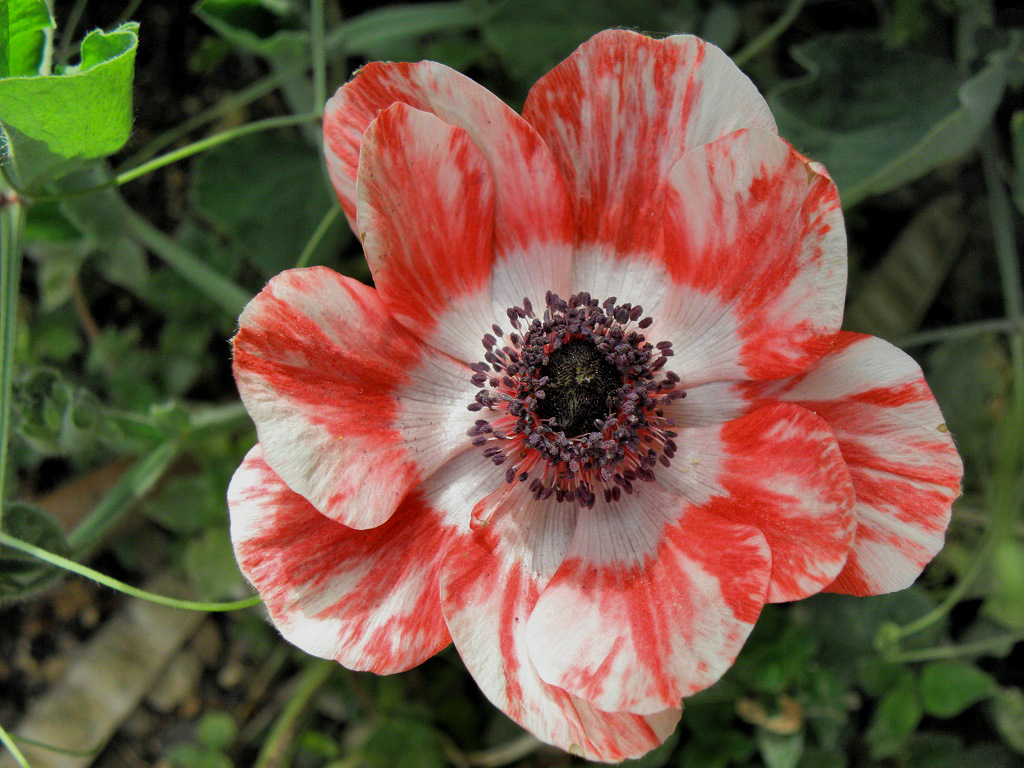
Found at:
[581, 387]
[575, 399]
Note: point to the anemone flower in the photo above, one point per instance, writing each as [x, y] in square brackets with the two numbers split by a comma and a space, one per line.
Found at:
[597, 410]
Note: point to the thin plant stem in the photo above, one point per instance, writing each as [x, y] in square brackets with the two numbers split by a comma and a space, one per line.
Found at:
[213, 284]
[317, 237]
[1001, 214]
[977, 648]
[126, 493]
[279, 740]
[180, 154]
[769, 35]
[12, 222]
[67, 35]
[981, 559]
[120, 586]
[58, 750]
[505, 754]
[318, 54]
[246, 96]
[965, 331]
[8, 742]
[129, 11]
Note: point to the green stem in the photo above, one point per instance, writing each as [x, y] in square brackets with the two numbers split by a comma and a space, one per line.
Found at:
[12, 222]
[505, 754]
[214, 285]
[58, 750]
[228, 417]
[120, 586]
[318, 55]
[766, 38]
[246, 96]
[8, 742]
[1001, 215]
[180, 154]
[133, 485]
[977, 648]
[67, 35]
[318, 235]
[965, 331]
[278, 741]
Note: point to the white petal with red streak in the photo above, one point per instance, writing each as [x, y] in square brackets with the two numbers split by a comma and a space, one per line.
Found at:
[351, 409]
[369, 599]
[618, 113]
[755, 253]
[778, 469]
[533, 218]
[905, 468]
[490, 584]
[653, 602]
[426, 217]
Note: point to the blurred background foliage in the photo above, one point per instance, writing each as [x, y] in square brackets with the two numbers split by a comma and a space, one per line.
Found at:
[122, 426]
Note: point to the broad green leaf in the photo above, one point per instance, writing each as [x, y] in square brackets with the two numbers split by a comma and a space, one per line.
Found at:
[53, 123]
[880, 117]
[892, 300]
[210, 565]
[937, 750]
[1008, 715]
[25, 31]
[895, 719]
[950, 687]
[22, 574]
[267, 194]
[780, 751]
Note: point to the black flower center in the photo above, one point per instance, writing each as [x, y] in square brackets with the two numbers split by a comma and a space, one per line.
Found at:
[575, 399]
[581, 389]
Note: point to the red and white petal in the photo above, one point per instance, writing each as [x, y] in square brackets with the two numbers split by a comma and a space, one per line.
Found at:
[618, 114]
[780, 470]
[369, 599]
[533, 218]
[653, 602]
[490, 584]
[905, 468]
[755, 253]
[426, 216]
[352, 410]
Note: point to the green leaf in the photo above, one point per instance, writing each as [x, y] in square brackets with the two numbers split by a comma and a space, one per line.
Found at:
[528, 36]
[780, 751]
[950, 687]
[891, 301]
[403, 743]
[217, 730]
[880, 117]
[378, 34]
[1005, 601]
[210, 565]
[25, 32]
[22, 574]
[267, 194]
[1008, 715]
[895, 719]
[53, 123]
